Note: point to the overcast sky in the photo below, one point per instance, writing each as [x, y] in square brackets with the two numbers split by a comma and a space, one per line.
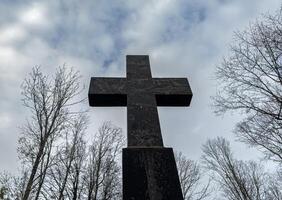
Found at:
[184, 38]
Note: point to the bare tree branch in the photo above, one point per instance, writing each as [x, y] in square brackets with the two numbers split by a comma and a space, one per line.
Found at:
[47, 99]
[251, 82]
[190, 179]
[238, 180]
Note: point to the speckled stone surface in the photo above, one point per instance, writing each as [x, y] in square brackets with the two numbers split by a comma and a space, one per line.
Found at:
[149, 169]
[141, 94]
[150, 174]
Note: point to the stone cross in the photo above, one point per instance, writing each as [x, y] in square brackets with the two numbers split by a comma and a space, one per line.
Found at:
[142, 94]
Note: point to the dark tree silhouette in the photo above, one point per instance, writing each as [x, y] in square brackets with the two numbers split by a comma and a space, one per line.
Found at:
[250, 81]
[48, 101]
[238, 180]
[190, 176]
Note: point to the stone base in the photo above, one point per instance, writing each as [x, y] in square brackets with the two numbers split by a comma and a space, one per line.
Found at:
[150, 174]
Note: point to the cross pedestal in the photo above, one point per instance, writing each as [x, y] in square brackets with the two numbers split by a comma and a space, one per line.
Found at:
[149, 169]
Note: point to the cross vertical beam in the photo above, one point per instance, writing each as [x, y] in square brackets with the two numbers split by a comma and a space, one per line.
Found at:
[143, 124]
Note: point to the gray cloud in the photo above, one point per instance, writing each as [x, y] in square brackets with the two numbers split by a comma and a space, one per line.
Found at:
[183, 39]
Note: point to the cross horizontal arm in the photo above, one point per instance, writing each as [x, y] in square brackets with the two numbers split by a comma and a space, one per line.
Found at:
[172, 91]
[107, 92]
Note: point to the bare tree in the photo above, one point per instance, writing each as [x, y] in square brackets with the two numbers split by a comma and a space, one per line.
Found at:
[76, 173]
[48, 100]
[58, 162]
[103, 172]
[12, 187]
[274, 186]
[63, 177]
[190, 178]
[238, 180]
[251, 82]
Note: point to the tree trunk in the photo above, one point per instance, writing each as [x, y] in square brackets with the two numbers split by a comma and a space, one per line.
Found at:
[33, 172]
[43, 174]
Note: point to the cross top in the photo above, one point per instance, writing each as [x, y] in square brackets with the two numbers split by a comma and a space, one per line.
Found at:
[141, 94]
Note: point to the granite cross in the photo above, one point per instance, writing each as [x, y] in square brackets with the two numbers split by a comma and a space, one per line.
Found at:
[149, 169]
[141, 94]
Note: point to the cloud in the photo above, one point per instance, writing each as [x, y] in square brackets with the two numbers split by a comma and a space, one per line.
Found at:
[5, 120]
[184, 38]
[35, 15]
[11, 34]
